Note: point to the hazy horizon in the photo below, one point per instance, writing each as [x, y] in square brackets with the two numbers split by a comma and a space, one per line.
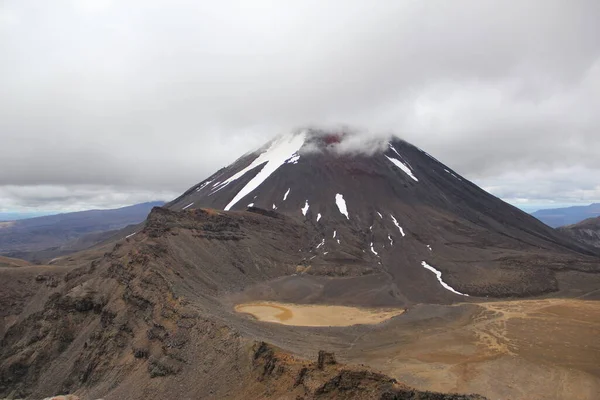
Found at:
[16, 215]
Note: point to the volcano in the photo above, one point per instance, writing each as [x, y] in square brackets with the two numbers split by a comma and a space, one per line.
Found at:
[321, 266]
[385, 205]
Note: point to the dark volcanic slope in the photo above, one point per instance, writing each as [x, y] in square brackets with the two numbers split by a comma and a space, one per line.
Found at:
[42, 238]
[145, 321]
[587, 231]
[401, 208]
[567, 216]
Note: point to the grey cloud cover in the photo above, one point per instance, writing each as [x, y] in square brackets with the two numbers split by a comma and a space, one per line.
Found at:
[106, 103]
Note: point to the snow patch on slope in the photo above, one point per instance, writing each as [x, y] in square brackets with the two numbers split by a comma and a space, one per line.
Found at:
[373, 250]
[281, 150]
[318, 217]
[398, 225]
[321, 244]
[341, 203]
[202, 186]
[403, 167]
[286, 194]
[188, 206]
[391, 241]
[438, 274]
[305, 208]
[452, 174]
[293, 159]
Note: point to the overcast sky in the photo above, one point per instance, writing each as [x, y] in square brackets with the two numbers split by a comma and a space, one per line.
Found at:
[107, 103]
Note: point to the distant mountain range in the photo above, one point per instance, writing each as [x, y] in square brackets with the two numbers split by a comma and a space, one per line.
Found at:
[567, 216]
[43, 238]
[13, 216]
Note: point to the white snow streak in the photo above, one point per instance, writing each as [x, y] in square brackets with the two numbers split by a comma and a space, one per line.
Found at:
[189, 205]
[334, 233]
[251, 205]
[391, 241]
[403, 167]
[277, 154]
[321, 244]
[397, 225]
[338, 241]
[341, 203]
[394, 150]
[380, 216]
[318, 217]
[203, 186]
[126, 237]
[305, 208]
[216, 185]
[438, 274]
[452, 174]
[286, 194]
[293, 159]
[429, 247]
[373, 250]
[274, 206]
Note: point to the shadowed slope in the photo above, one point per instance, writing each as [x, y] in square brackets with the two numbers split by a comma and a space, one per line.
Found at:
[587, 231]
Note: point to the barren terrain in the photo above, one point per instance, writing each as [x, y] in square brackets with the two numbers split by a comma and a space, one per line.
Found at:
[153, 316]
[518, 349]
[315, 315]
[532, 349]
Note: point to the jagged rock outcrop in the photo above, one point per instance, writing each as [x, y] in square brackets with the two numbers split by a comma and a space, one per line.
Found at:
[326, 379]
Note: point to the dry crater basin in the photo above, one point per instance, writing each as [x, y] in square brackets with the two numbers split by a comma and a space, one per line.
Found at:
[316, 314]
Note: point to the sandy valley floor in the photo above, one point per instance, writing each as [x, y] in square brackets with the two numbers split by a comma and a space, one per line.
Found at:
[315, 315]
[518, 349]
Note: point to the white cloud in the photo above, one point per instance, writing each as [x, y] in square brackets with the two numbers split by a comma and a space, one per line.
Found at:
[92, 6]
[74, 197]
[8, 18]
[155, 96]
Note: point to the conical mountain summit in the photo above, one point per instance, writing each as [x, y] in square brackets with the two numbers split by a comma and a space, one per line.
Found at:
[386, 205]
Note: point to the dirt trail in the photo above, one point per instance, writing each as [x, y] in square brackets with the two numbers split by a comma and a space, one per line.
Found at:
[315, 315]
